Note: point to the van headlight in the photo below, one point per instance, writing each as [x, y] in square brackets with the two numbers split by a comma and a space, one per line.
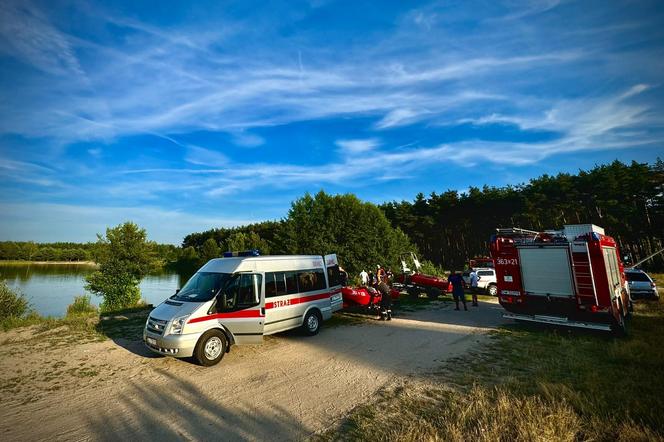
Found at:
[178, 325]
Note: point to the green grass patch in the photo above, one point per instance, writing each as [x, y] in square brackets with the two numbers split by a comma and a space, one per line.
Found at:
[533, 383]
[81, 306]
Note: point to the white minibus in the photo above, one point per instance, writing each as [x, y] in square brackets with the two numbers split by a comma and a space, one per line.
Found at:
[239, 299]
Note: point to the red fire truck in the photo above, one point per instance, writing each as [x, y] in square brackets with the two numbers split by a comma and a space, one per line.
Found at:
[571, 277]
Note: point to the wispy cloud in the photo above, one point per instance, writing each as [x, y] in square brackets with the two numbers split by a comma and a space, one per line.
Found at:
[123, 111]
[357, 146]
[28, 35]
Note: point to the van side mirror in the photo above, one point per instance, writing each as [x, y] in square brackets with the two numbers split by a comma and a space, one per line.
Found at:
[177, 291]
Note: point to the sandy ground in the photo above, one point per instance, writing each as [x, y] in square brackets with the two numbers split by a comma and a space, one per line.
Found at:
[288, 388]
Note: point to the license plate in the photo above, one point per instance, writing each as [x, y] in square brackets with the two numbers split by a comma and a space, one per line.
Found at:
[152, 341]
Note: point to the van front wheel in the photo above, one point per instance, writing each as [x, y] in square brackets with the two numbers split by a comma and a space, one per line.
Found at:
[311, 324]
[210, 348]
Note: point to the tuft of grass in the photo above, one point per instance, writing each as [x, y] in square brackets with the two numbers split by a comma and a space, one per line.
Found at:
[412, 413]
[532, 383]
[81, 306]
[13, 304]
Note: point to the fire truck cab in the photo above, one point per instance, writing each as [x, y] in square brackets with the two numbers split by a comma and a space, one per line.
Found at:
[571, 277]
[240, 299]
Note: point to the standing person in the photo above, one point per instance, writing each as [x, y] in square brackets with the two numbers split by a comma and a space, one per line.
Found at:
[385, 300]
[457, 289]
[372, 279]
[380, 273]
[343, 276]
[364, 277]
[473, 285]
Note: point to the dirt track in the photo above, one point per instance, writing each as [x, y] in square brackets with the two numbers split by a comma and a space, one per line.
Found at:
[288, 388]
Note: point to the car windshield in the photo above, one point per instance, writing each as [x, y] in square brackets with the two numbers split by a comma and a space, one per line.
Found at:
[637, 276]
[203, 286]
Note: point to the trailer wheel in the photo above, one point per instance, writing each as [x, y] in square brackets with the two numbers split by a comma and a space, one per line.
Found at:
[311, 324]
[433, 293]
[210, 348]
[493, 290]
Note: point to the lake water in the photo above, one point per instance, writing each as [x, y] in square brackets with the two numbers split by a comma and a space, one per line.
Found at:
[50, 288]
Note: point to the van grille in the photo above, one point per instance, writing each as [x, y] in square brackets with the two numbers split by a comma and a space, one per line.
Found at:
[156, 325]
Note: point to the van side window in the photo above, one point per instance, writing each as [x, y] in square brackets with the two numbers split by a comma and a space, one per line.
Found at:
[243, 292]
[291, 283]
[270, 287]
[249, 291]
[280, 280]
[310, 280]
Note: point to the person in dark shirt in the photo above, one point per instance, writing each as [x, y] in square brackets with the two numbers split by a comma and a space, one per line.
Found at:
[457, 289]
[385, 300]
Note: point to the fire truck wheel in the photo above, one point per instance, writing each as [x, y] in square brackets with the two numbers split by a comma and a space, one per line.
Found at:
[210, 348]
[311, 324]
[413, 293]
[493, 290]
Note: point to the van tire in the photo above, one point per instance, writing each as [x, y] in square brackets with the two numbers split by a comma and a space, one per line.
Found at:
[312, 322]
[210, 348]
[492, 289]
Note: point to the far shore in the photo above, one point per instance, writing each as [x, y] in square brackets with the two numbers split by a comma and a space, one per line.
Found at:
[17, 262]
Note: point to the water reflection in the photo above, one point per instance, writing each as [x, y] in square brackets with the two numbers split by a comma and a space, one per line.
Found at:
[52, 287]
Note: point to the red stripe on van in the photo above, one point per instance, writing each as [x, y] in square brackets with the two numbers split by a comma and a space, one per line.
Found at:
[238, 314]
[293, 301]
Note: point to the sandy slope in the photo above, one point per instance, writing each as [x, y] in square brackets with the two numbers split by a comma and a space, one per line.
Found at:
[288, 388]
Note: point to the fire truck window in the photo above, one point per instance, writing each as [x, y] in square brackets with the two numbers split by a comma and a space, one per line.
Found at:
[291, 283]
[270, 287]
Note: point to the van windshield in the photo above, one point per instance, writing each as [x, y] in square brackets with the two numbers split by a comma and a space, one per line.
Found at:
[203, 286]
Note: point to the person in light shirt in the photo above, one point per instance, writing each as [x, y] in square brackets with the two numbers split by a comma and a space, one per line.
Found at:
[364, 277]
[473, 286]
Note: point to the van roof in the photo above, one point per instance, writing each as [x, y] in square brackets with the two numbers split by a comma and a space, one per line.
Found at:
[263, 263]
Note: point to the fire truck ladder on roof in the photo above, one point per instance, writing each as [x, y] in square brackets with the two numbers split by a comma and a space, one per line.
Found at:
[515, 230]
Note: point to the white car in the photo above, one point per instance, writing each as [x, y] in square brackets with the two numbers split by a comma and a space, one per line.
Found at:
[486, 281]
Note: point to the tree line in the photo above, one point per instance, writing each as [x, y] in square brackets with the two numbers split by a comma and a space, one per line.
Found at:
[70, 252]
[358, 232]
[627, 200]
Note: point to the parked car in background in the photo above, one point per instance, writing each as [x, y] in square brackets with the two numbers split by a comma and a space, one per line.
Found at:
[641, 285]
[486, 281]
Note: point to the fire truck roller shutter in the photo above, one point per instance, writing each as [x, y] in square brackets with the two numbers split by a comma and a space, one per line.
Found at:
[546, 271]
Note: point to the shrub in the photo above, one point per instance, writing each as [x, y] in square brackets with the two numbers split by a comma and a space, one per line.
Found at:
[125, 257]
[81, 306]
[13, 304]
[429, 268]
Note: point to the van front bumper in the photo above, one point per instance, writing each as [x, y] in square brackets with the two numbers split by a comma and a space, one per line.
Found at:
[180, 346]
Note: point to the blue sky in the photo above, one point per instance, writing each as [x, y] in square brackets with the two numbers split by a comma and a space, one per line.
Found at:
[184, 116]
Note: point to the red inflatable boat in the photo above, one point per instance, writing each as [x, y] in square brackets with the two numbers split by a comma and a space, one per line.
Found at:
[364, 296]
